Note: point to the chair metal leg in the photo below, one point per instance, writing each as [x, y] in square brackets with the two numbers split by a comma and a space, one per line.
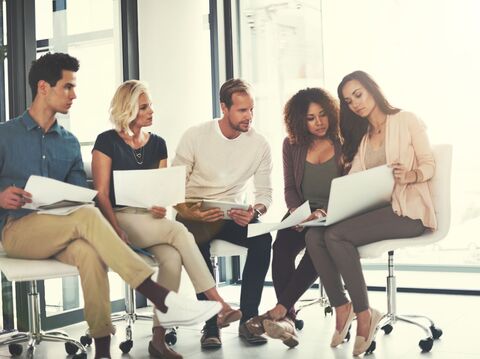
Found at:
[129, 316]
[216, 270]
[392, 317]
[322, 300]
[35, 335]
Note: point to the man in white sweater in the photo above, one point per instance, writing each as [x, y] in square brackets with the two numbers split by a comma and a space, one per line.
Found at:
[220, 157]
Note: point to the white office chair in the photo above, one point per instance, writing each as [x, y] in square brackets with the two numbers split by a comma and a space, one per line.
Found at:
[221, 248]
[440, 189]
[26, 270]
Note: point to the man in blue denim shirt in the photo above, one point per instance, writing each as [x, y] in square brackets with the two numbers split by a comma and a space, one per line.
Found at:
[35, 144]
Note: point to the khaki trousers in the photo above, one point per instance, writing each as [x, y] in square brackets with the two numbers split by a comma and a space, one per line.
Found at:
[172, 245]
[84, 239]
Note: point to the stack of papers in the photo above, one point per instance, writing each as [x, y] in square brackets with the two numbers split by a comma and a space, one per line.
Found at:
[295, 218]
[50, 196]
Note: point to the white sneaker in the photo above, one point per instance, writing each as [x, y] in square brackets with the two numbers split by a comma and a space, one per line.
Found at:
[184, 312]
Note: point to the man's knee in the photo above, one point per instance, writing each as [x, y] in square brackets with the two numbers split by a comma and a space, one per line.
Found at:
[85, 255]
[87, 212]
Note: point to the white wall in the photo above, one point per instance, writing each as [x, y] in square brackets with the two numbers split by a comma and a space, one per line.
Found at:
[174, 47]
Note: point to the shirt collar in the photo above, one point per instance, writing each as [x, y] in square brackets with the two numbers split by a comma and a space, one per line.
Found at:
[30, 123]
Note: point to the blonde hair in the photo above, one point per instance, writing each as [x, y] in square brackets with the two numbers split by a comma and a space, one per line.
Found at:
[124, 104]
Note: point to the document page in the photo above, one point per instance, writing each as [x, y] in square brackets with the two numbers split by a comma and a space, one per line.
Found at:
[146, 188]
[55, 197]
[296, 217]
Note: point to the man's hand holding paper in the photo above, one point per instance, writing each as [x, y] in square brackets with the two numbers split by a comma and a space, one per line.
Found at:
[50, 196]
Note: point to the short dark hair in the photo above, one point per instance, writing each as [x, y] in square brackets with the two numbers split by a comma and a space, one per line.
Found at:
[232, 86]
[352, 126]
[49, 68]
[295, 115]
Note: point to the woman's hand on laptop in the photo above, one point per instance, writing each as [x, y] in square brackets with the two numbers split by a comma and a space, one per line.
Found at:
[318, 213]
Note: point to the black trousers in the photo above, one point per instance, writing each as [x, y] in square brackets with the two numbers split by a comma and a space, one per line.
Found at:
[256, 265]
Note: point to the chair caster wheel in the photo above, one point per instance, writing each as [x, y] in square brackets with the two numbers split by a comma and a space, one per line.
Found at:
[371, 348]
[328, 310]
[126, 346]
[15, 349]
[171, 337]
[80, 356]
[387, 329]
[70, 348]
[299, 324]
[426, 345]
[436, 332]
[86, 340]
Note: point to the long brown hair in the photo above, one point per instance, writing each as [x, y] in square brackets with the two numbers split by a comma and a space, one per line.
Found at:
[352, 126]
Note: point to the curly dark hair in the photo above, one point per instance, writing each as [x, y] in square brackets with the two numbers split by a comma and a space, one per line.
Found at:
[352, 126]
[49, 68]
[295, 115]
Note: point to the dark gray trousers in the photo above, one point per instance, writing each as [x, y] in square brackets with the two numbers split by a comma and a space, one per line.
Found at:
[335, 256]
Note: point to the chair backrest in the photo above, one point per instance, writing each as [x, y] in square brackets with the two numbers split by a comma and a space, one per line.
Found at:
[440, 190]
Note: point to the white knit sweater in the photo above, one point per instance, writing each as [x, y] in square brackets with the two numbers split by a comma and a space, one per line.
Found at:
[219, 168]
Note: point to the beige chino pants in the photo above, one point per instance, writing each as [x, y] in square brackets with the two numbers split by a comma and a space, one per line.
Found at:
[84, 239]
[172, 245]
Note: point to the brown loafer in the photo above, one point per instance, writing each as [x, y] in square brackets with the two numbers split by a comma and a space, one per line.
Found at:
[249, 337]
[167, 353]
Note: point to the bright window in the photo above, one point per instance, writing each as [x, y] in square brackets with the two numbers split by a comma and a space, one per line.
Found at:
[424, 55]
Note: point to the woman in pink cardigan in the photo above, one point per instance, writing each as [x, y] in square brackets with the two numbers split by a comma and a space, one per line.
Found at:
[375, 133]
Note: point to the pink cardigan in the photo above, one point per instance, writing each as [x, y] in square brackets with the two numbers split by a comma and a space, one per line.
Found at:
[406, 142]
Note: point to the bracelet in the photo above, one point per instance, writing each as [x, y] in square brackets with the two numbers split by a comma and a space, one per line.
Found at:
[416, 176]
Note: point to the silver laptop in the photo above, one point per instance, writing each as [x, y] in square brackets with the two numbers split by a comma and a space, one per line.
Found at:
[357, 193]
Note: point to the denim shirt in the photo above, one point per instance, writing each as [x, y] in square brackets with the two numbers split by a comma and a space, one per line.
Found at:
[26, 150]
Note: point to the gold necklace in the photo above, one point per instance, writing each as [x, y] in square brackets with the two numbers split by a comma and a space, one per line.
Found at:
[379, 129]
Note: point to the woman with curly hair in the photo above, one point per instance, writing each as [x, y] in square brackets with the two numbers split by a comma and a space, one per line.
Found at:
[312, 157]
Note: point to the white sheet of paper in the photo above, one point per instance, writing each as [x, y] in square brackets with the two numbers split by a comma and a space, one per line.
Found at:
[46, 191]
[296, 217]
[146, 188]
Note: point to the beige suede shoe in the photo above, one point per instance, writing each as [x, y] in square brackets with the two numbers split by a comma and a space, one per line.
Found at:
[362, 344]
[283, 329]
[339, 337]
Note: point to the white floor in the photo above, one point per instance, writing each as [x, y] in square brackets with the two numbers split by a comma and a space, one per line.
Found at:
[456, 315]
